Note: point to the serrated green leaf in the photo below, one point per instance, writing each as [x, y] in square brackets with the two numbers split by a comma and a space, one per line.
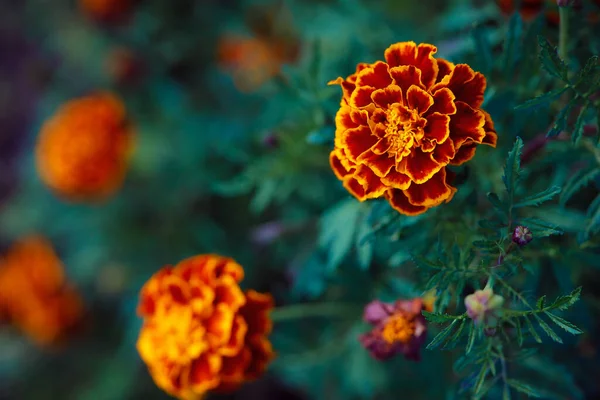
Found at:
[439, 318]
[338, 230]
[519, 332]
[560, 123]
[524, 388]
[496, 202]
[540, 303]
[539, 198]
[551, 61]
[580, 179]
[564, 324]
[589, 74]
[453, 340]
[578, 128]
[541, 99]
[532, 330]
[540, 228]
[565, 302]
[485, 60]
[551, 334]
[442, 336]
[485, 244]
[512, 168]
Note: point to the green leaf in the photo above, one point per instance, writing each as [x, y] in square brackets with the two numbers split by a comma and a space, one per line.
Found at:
[337, 231]
[565, 302]
[580, 179]
[564, 324]
[440, 318]
[540, 303]
[578, 128]
[524, 388]
[512, 169]
[539, 198]
[532, 330]
[471, 339]
[364, 248]
[560, 123]
[588, 76]
[265, 193]
[541, 99]
[485, 244]
[483, 49]
[547, 329]
[512, 43]
[493, 225]
[452, 341]
[399, 258]
[593, 215]
[540, 228]
[551, 61]
[496, 202]
[442, 336]
[425, 263]
[519, 332]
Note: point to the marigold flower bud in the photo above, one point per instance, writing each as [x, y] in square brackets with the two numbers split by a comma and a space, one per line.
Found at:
[201, 332]
[522, 235]
[83, 151]
[483, 306]
[397, 328]
[34, 293]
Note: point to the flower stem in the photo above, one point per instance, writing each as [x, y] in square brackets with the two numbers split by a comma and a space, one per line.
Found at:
[315, 310]
[563, 34]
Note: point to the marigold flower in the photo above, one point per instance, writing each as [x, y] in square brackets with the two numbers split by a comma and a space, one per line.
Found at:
[399, 327]
[253, 61]
[402, 121]
[83, 150]
[201, 332]
[107, 11]
[483, 306]
[34, 293]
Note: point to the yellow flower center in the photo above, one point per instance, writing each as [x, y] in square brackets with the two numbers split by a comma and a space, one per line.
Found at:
[404, 130]
[398, 328]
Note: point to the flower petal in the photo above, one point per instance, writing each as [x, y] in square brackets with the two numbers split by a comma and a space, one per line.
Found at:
[443, 102]
[396, 180]
[236, 340]
[376, 76]
[361, 97]
[464, 154]
[381, 165]
[437, 127]
[370, 182]
[227, 291]
[218, 326]
[466, 125]
[406, 76]
[358, 140]
[336, 165]
[467, 85]
[354, 187]
[256, 312]
[408, 53]
[400, 203]
[420, 166]
[445, 69]
[431, 193]
[491, 137]
[389, 95]
[418, 99]
[233, 371]
[262, 354]
[204, 372]
[376, 311]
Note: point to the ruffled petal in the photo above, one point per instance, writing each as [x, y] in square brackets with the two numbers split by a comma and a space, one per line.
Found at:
[361, 97]
[262, 354]
[408, 53]
[376, 76]
[336, 165]
[444, 152]
[204, 373]
[406, 76]
[236, 339]
[443, 102]
[420, 166]
[396, 180]
[491, 137]
[466, 125]
[445, 69]
[371, 183]
[356, 141]
[418, 99]
[437, 127]
[467, 85]
[389, 95]
[256, 312]
[464, 154]
[431, 193]
[355, 188]
[381, 165]
[400, 203]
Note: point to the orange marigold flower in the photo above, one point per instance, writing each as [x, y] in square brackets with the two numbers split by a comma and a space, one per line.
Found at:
[83, 150]
[402, 121]
[34, 292]
[107, 11]
[201, 332]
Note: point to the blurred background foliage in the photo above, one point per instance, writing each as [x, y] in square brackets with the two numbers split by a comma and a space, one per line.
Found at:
[234, 124]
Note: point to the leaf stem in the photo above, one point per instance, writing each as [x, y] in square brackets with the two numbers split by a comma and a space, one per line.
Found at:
[563, 34]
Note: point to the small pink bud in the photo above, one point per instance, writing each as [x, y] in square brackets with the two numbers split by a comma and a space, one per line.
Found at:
[522, 235]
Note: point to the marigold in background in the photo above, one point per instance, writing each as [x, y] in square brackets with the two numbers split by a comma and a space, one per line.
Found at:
[402, 121]
[83, 150]
[34, 293]
[107, 11]
[201, 332]
[398, 327]
[484, 306]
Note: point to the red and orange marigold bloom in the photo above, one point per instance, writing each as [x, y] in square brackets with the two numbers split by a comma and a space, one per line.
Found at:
[402, 121]
[201, 332]
[83, 150]
[34, 293]
[107, 11]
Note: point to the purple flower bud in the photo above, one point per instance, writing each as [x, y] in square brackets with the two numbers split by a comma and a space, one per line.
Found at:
[522, 235]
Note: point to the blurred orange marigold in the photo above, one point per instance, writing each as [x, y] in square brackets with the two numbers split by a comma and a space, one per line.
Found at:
[107, 11]
[201, 332]
[402, 121]
[83, 150]
[34, 292]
